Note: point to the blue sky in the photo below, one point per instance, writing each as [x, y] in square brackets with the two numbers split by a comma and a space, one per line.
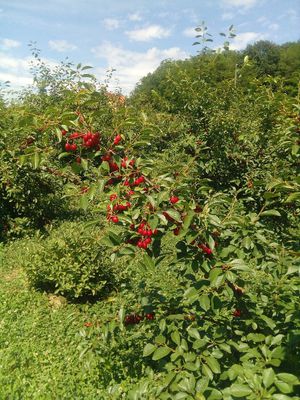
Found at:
[131, 36]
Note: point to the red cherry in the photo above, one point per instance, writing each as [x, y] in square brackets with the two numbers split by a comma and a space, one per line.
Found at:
[74, 147]
[174, 199]
[237, 313]
[68, 147]
[205, 249]
[117, 139]
[78, 160]
[115, 219]
[113, 197]
[74, 135]
[149, 316]
[113, 167]
[64, 132]
[138, 318]
[106, 157]
[176, 231]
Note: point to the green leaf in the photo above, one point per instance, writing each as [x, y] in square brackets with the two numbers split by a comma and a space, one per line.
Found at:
[162, 218]
[204, 302]
[175, 337]
[84, 202]
[63, 155]
[293, 269]
[194, 333]
[149, 349]
[288, 378]
[58, 134]
[160, 353]
[148, 262]
[213, 364]
[121, 314]
[247, 242]
[198, 344]
[84, 164]
[238, 264]
[216, 277]
[151, 201]
[126, 251]
[207, 371]
[211, 243]
[174, 214]
[292, 197]
[36, 160]
[283, 386]
[188, 219]
[271, 324]
[114, 237]
[278, 396]
[215, 395]
[267, 213]
[268, 377]
[238, 390]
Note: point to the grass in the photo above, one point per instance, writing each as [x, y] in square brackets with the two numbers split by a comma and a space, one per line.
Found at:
[40, 338]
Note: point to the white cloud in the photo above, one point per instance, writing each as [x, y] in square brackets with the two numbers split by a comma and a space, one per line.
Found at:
[61, 45]
[274, 26]
[17, 70]
[189, 32]
[240, 3]
[242, 39]
[130, 65]
[148, 33]
[9, 44]
[266, 23]
[111, 23]
[15, 80]
[135, 17]
[227, 15]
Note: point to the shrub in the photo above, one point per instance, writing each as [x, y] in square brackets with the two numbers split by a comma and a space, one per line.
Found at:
[71, 261]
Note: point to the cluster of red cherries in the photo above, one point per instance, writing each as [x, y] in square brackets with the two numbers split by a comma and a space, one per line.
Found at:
[146, 232]
[132, 319]
[89, 140]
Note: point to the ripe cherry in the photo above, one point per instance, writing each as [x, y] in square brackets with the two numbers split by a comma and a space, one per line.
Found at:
[205, 249]
[74, 147]
[237, 313]
[68, 147]
[78, 160]
[174, 199]
[149, 316]
[117, 139]
[115, 219]
[113, 197]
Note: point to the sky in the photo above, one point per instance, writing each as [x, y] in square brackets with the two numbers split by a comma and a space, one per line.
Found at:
[131, 36]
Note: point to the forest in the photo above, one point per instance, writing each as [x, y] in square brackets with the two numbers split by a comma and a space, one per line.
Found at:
[149, 244]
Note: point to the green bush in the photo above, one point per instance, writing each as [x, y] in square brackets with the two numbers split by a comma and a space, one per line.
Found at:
[70, 261]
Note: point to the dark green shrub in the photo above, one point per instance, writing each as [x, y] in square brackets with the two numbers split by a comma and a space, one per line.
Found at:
[70, 261]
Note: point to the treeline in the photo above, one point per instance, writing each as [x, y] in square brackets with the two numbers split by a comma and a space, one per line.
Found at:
[265, 60]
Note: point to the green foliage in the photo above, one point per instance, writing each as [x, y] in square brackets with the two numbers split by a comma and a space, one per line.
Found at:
[70, 260]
